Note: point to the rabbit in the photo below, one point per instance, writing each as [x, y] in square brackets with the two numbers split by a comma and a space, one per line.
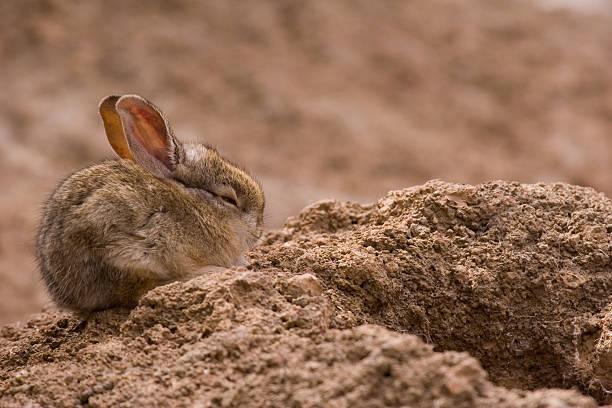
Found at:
[163, 211]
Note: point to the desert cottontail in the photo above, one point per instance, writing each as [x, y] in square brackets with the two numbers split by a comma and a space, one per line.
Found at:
[162, 212]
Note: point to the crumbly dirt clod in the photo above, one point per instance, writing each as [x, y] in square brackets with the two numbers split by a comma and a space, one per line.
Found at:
[518, 276]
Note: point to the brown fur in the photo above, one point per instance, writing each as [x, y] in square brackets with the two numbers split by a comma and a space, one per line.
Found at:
[113, 231]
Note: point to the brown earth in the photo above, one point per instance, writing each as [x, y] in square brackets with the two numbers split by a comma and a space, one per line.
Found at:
[516, 275]
[343, 99]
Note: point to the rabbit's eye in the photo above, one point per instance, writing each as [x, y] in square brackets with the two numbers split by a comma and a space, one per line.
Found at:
[229, 200]
[226, 193]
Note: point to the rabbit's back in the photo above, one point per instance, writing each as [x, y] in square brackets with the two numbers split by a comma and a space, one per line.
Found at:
[109, 233]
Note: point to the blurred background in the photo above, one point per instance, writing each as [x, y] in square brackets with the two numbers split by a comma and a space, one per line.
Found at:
[342, 99]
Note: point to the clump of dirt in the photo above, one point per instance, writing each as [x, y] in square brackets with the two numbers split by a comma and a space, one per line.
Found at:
[235, 339]
[517, 275]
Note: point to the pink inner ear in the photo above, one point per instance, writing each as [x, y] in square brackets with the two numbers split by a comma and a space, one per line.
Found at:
[151, 132]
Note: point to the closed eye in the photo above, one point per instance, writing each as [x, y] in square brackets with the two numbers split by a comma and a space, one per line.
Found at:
[229, 200]
[225, 193]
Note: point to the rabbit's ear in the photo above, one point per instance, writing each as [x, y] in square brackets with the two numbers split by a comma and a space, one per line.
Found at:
[113, 127]
[147, 135]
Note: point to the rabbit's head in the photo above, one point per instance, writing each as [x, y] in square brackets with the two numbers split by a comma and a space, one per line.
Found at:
[138, 131]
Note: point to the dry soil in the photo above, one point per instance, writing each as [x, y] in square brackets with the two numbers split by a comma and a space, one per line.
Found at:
[350, 305]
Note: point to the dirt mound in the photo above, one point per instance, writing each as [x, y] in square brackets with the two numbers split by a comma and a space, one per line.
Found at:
[516, 275]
